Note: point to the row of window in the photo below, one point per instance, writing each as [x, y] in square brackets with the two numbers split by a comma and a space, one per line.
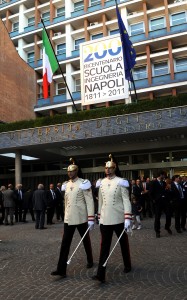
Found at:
[61, 88]
[159, 69]
[158, 23]
[59, 13]
[138, 73]
[61, 48]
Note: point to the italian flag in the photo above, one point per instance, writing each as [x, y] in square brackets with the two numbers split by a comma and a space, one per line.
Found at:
[50, 64]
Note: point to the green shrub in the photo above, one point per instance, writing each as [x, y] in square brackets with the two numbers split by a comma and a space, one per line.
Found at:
[140, 106]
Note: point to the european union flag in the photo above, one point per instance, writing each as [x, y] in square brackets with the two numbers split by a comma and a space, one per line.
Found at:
[129, 54]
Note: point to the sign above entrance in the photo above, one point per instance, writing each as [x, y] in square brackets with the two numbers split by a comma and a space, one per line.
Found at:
[150, 121]
[102, 71]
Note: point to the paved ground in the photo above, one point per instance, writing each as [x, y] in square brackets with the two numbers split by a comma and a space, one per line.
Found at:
[27, 256]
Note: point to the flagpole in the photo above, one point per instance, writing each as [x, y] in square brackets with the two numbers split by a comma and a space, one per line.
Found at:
[129, 62]
[60, 67]
[134, 87]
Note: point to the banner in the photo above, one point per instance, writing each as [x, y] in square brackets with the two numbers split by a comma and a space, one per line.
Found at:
[102, 71]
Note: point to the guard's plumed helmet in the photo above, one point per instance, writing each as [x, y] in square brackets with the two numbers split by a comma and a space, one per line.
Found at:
[73, 166]
[110, 163]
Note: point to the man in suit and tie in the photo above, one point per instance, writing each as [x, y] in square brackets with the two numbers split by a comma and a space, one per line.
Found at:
[51, 204]
[184, 186]
[19, 203]
[59, 203]
[157, 194]
[178, 203]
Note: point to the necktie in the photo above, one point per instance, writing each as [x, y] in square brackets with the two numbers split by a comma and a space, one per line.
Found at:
[180, 190]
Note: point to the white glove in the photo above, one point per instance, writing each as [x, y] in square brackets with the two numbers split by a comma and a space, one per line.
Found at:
[127, 225]
[91, 224]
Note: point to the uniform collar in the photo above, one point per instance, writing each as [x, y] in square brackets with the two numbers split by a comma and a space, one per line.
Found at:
[74, 180]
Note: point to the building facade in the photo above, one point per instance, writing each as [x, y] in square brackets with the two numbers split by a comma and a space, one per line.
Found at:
[17, 83]
[158, 31]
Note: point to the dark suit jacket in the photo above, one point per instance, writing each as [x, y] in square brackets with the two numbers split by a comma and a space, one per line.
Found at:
[39, 200]
[50, 201]
[157, 191]
[184, 186]
[175, 193]
[136, 190]
[59, 197]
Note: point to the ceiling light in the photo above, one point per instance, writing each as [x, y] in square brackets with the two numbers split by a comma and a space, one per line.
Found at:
[24, 157]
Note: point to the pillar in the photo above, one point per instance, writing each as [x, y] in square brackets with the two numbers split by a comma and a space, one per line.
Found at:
[18, 167]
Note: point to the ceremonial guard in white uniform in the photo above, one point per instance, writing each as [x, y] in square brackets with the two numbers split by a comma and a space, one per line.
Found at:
[114, 213]
[79, 213]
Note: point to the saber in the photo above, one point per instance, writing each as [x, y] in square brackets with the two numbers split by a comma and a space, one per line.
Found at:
[69, 260]
[104, 265]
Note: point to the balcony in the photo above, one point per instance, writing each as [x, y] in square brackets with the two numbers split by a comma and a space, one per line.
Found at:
[77, 13]
[29, 28]
[58, 99]
[5, 3]
[58, 19]
[95, 7]
[161, 80]
[109, 3]
[159, 33]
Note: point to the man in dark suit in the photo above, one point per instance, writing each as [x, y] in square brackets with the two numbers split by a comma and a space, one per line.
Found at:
[157, 194]
[19, 203]
[178, 203]
[51, 204]
[9, 204]
[184, 186]
[59, 203]
[39, 205]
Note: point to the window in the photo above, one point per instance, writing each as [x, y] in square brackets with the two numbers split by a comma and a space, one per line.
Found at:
[15, 26]
[78, 5]
[140, 159]
[30, 57]
[115, 31]
[97, 36]
[78, 42]
[95, 2]
[160, 68]
[77, 85]
[181, 64]
[60, 12]
[140, 73]
[178, 18]
[46, 16]
[61, 88]
[157, 23]
[61, 49]
[137, 28]
[31, 21]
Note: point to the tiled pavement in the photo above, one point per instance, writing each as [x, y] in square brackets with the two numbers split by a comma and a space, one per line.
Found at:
[27, 256]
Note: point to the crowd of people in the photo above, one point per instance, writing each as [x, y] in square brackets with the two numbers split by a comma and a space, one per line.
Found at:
[117, 204]
[16, 203]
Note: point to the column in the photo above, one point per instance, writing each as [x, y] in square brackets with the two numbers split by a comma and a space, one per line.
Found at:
[171, 60]
[22, 18]
[18, 167]
[146, 19]
[149, 70]
[167, 15]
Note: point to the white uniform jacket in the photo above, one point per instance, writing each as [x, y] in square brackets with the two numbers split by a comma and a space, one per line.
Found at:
[114, 203]
[79, 204]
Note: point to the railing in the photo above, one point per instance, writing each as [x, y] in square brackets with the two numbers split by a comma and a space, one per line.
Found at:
[58, 19]
[58, 99]
[158, 33]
